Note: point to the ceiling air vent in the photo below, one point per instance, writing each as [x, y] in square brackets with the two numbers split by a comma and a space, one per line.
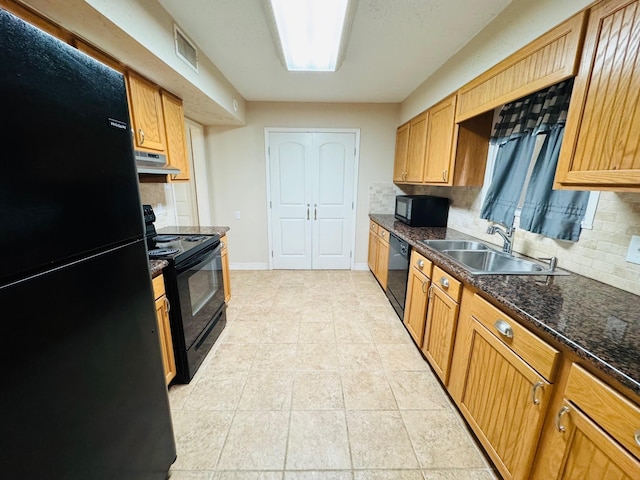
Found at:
[185, 49]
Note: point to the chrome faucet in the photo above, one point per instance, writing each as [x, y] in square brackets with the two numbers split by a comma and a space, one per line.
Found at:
[506, 234]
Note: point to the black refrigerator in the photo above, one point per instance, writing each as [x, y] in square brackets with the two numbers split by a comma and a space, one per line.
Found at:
[82, 392]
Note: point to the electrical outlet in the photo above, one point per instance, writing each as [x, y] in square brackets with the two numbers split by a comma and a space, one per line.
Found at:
[237, 215]
[633, 254]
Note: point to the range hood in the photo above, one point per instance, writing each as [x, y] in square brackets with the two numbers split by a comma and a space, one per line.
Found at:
[155, 163]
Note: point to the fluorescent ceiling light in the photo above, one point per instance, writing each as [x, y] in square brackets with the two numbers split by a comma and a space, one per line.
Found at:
[310, 32]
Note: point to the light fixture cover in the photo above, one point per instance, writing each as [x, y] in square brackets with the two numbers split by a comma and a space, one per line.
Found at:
[310, 32]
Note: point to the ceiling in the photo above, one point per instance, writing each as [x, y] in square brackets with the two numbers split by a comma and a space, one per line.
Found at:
[394, 46]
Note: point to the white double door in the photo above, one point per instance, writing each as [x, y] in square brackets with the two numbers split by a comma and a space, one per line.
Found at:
[312, 202]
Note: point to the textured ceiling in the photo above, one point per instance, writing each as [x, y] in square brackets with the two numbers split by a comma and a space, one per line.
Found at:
[394, 46]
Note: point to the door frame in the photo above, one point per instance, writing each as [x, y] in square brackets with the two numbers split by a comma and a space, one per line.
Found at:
[269, 130]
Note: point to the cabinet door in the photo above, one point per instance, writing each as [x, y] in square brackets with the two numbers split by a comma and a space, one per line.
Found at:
[417, 148]
[166, 344]
[176, 136]
[442, 319]
[382, 262]
[402, 149]
[373, 251]
[580, 450]
[601, 146]
[504, 400]
[415, 309]
[226, 280]
[440, 130]
[146, 114]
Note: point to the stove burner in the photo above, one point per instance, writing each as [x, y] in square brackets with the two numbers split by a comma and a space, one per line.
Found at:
[161, 252]
[166, 238]
[195, 238]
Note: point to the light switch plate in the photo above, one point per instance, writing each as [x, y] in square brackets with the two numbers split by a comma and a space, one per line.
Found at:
[237, 215]
[633, 254]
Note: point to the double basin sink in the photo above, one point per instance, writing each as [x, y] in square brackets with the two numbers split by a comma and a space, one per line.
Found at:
[480, 259]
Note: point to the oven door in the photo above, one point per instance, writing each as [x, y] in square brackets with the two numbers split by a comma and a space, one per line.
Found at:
[201, 292]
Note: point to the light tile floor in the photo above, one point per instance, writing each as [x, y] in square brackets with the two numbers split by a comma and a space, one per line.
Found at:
[315, 378]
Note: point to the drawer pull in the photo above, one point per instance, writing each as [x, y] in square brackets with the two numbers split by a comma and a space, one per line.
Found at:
[420, 264]
[561, 413]
[382, 234]
[504, 328]
[444, 281]
[534, 393]
[637, 437]
[141, 132]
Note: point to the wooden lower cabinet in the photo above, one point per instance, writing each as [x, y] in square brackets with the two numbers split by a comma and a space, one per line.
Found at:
[501, 379]
[415, 308]
[505, 402]
[226, 280]
[591, 434]
[442, 321]
[378, 257]
[164, 329]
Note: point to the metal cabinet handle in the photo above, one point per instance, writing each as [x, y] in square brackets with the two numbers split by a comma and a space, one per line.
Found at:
[166, 302]
[308, 215]
[382, 234]
[444, 281]
[534, 393]
[444, 175]
[504, 328]
[637, 437]
[141, 133]
[424, 286]
[561, 413]
[420, 264]
[430, 292]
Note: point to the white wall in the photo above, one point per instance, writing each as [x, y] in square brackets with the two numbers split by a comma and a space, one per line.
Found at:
[520, 23]
[237, 168]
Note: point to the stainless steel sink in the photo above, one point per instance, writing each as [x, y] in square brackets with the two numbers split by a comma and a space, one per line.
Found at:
[483, 262]
[481, 259]
[442, 245]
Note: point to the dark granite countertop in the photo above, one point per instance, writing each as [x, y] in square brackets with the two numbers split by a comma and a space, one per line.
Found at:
[156, 267]
[598, 322]
[195, 230]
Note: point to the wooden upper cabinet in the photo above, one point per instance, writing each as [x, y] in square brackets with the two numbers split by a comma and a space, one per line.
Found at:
[601, 145]
[98, 55]
[146, 114]
[402, 148]
[551, 58]
[440, 130]
[417, 148]
[35, 19]
[176, 136]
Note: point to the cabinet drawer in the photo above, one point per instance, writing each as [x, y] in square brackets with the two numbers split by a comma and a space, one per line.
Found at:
[383, 234]
[373, 226]
[421, 263]
[613, 412]
[447, 284]
[540, 355]
[158, 286]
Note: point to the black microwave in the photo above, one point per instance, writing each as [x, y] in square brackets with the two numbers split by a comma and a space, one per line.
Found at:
[422, 210]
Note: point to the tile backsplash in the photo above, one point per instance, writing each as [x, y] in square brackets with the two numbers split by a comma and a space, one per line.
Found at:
[382, 197]
[160, 197]
[599, 254]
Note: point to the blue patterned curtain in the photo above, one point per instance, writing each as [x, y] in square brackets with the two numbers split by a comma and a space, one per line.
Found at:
[556, 214]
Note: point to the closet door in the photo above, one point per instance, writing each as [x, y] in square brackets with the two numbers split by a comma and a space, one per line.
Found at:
[311, 177]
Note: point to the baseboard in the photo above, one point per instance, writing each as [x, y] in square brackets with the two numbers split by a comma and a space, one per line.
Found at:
[248, 266]
[361, 266]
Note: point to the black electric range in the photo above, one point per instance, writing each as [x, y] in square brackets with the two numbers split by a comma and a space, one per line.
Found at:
[194, 287]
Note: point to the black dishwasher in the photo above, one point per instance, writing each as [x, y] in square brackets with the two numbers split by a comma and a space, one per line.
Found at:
[399, 252]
